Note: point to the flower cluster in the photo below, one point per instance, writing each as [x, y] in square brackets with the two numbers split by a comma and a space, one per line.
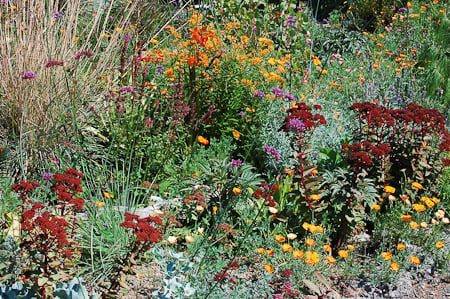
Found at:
[266, 193]
[302, 112]
[272, 152]
[144, 230]
[67, 186]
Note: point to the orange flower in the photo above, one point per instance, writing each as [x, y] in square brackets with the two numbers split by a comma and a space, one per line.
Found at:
[236, 190]
[280, 238]
[343, 254]
[415, 260]
[327, 248]
[268, 268]
[414, 225]
[310, 242]
[108, 195]
[386, 255]
[316, 60]
[315, 197]
[202, 140]
[298, 254]
[439, 244]
[261, 250]
[376, 207]
[236, 134]
[269, 252]
[436, 200]
[395, 266]
[350, 247]
[417, 185]
[401, 246]
[189, 239]
[389, 189]
[331, 259]
[214, 209]
[406, 217]
[289, 171]
[99, 204]
[312, 257]
[419, 207]
[286, 247]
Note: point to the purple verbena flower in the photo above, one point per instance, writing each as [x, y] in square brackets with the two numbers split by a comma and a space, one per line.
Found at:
[277, 92]
[57, 15]
[259, 94]
[47, 175]
[272, 151]
[236, 163]
[296, 125]
[289, 96]
[127, 89]
[28, 75]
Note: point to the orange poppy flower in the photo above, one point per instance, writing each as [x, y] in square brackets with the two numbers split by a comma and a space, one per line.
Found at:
[202, 140]
[415, 260]
[298, 254]
[310, 242]
[280, 238]
[331, 259]
[395, 266]
[312, 257]
[343, 254]
[286, 247]
[268, 268]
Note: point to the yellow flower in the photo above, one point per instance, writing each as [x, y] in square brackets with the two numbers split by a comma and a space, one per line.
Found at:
[306, 225]
[202, 140]
[236, 134]
[350, 247]
[395, 266]
[436, 200]
[261, 250]
[315, 197]
[414, 225]
[327, 248]
[312, 257]
[100, 204]
[236, 190]
[415, 260]
[376, 207]
[343, 254]
[417, 185]
[268, 268]
[280, 238]
[286, 247]
[439, 244]
[298, 254]
[316, 60]
[419, 207]
[389, 189]
[108, 195]
[310, 242]
[214, 209]
[401, 246]
[423, 224]
[331, 259]
[386, 255]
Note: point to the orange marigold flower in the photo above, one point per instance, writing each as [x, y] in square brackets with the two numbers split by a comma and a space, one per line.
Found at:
[406, 217]
[419, 207]
[269, 252]
[286, 247]
[312, 257]
[439, 244]
[310, 242]
[415, 260]
[436, 200]
[376, 207]
[401, 246]
[298, 254]
[343, 254]
[268, 268]
[280, 238]
[386, 255]
[389, 189]
[414, 225]
[202, 140]
[350, 247]
[327, 248]
[395, 266]
[261, 250]
[417, 185]
[331, 259]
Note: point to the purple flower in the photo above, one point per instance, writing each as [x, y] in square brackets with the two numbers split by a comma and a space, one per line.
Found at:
[290, 22]
[242, 113]
[236, 163]
[57, 15]
[28, 75]
[272, 151]
[159, 70]
[127, 89]
[296, 124]
[47, 175]
[277, 92]
[259, 94]
[290, 97]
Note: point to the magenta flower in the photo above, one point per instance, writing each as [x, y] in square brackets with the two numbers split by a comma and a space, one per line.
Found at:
[28, 75]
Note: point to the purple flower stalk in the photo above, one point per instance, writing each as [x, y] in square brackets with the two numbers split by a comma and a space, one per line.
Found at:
[259, 94]
[272, 151]
[28, 75]
[236, 163]
[277, 92]
[127, 89]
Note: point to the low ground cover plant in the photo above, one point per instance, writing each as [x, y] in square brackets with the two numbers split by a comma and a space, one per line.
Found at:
[239, 149]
